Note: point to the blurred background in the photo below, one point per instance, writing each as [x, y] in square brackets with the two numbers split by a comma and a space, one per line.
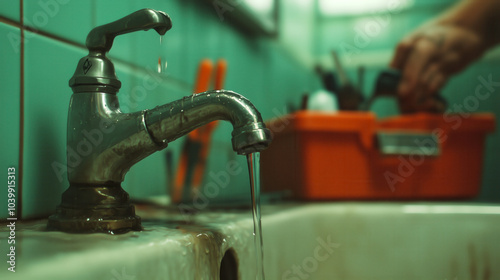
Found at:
[271, 48]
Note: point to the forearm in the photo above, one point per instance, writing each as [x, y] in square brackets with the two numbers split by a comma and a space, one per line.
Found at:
[480, 16]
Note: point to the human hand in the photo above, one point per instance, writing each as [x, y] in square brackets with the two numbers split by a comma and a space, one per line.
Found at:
[427, 59]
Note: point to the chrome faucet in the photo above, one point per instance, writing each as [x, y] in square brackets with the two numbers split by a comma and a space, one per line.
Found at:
[104, 143]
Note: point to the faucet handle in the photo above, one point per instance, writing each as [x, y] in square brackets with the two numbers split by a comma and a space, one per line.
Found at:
[95, 72]
[100, 39]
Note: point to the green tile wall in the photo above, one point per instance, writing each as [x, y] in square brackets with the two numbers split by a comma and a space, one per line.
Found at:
[10, 9]
[63, 18]
[9, 114]
[48, 66]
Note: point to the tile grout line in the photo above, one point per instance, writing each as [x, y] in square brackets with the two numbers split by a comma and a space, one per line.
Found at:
[10, 22]
[21, 116]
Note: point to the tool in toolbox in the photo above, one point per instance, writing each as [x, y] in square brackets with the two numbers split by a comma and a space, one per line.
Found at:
[386, 85]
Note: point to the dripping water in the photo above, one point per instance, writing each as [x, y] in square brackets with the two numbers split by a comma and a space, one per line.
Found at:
[161, 66]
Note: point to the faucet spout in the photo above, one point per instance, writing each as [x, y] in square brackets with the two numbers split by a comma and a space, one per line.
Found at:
[173, 120]
[119, 140]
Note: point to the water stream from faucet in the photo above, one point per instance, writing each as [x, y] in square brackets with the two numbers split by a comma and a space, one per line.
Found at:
[253, 161]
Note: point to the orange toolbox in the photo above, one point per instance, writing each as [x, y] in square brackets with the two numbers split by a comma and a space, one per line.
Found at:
[352, 155]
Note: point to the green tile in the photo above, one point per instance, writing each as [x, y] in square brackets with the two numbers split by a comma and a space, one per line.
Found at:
[71, 20]
[220, 155]
[10, 9]
[147, 178]
[10, 100]
[145, 88]
[173, 47]
[49, 65]
[203, 37]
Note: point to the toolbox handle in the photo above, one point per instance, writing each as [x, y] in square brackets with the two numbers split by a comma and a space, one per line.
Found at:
[392, 143]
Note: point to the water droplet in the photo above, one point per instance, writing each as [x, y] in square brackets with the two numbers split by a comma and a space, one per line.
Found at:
[207, 251]
[160, 65]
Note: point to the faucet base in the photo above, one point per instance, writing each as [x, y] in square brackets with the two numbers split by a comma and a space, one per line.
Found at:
[76, 225]
[95, 208]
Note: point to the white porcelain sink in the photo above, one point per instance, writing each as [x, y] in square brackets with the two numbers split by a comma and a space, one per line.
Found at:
[302, 241]
[384, 241]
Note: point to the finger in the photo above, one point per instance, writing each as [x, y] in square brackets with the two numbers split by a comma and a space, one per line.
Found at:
[428, 75]
[408, 104]
[403, 49]
[433, 79]
[423, 52]
[437, 74]
[438, 81]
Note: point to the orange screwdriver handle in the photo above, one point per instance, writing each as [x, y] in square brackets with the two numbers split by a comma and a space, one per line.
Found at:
[204, 74]
[220, 73]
